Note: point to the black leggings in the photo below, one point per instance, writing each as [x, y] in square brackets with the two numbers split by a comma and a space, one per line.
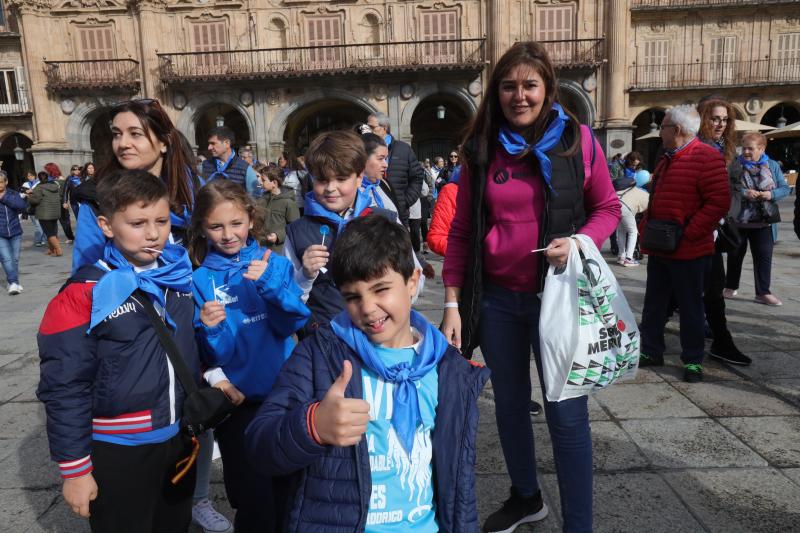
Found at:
[415, 227]
[49, 227]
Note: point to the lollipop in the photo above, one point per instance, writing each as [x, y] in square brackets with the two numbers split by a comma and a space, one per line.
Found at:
[324, 230]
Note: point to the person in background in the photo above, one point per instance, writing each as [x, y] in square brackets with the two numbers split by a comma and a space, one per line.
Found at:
[55, 172]
[72, 182]
[31, 181]
[246, 153]
[12, 205]
[633, 201]
[224, 163]
[279, 205]
[46, 198]
[298, 174]
[373, 182]
[762, 185]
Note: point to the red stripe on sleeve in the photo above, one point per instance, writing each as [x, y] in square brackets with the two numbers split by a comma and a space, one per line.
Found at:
[70, 309]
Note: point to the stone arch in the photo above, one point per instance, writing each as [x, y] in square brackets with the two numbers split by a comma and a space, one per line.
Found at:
[188, 118]
[424, 91]
[579, 100]
[789, 109]
[79, 126]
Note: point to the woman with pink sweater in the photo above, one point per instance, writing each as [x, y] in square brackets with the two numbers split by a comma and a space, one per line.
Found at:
[533, 177]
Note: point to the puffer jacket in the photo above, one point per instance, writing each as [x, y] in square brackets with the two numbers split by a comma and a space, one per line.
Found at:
[443, 215]
[47, 199]
[281, 210]
[405, 174]
[692, 188]
[333, 484]
[11, 206]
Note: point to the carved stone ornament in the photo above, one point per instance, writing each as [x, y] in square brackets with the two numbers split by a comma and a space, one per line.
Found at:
[657, 27]
[68, 106]
[380, 92]
[273, 97]
[29, 6]
[90, 5]
[246, 98]
[794, 20]
[179, 100]
[753, 105]
[725, 23]
[590, 83]
[406, 91]
[475, 87]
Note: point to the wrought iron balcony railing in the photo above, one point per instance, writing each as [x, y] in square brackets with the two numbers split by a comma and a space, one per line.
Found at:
[576, 53]
[316, 61]
[723, 74]
[652, 5]
[92, 74]
[14, 102]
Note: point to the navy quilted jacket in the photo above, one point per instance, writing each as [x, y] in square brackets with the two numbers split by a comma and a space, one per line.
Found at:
[333, 484]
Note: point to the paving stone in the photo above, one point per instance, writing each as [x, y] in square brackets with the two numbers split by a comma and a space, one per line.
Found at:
[774, 437]
[19, 420]
[792, 473]
[613, 449]
[773, 364]
[647, 400]
[21, 509]
[490, 454]
[788, 389]
[13, 384]
[751, 500]
[493, 490]
[690, 443]
[30, 466]
[60, 519]
[734, 398]
[712, 370]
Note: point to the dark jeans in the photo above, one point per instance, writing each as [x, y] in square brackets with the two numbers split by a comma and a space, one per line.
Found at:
[426, 214]
[415, 227]
[134, 490]
[683, 280]
[715, 303]
[509, 328]
[66, 225]
[761, 245]
[248, 491]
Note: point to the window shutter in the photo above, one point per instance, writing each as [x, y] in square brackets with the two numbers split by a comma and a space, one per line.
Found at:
[556, 24]
[325, 31]
[210, 37]
[722, 59]
[655, 61]
[788, 64]
[439, 26]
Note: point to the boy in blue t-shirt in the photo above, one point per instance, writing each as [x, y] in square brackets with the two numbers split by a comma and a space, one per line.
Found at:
[377, 439]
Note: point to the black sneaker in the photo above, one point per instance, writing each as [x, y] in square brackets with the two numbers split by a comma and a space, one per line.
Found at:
[728, 354]
[515, 511]
[646, 360]
[692, 373]
[536, 408]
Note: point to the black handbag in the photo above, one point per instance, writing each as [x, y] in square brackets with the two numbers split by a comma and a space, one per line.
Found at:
[662, 235]
[728, 236]
[203, 408]
[770, 212]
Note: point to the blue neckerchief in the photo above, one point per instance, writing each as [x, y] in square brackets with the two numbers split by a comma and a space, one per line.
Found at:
[388, 140]
[372, 190]
[221, 167]
[117, 285]
[74, 180]
[406, 414]
[231, 264]
[720, 145]
[750, 164]
[629, 172]
[514, 143]
[51, 178]
[315, 209]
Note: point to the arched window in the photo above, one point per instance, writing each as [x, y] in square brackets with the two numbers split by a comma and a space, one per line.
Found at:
[278, 37]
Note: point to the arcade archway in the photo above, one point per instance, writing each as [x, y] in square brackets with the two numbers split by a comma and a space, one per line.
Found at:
[317, 117]
[215, 115]
[785, 151]
[647, 123]
[15, 168]
[437, 125]
[100, 139]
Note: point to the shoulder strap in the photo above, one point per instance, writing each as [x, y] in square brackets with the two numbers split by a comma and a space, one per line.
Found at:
[168, 343]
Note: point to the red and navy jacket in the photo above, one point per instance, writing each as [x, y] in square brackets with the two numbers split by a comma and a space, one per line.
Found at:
[113, 384]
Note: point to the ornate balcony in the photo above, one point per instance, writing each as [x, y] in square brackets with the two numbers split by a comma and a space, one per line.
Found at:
[321, 61]
[677, 5]
[576, 53]
[94, 74]
[728, 74]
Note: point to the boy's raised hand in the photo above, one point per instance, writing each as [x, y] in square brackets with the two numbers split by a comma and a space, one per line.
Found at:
[257, 267]
[78, 492]
[314, 258]
[341, 421]
[212, 313]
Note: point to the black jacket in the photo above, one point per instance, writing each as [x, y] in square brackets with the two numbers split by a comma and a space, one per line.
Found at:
[405, 174]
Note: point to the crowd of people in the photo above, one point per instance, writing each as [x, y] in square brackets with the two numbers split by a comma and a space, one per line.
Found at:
[289, 287]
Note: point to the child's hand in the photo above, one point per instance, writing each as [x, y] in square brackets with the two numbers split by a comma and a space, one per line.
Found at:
[212, 313]
[341, 421]
[314, 258]
[257, 267]
[272, 238]
[233, 394]
[78, 492]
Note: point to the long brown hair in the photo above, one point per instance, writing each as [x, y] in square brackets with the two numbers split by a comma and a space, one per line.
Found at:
[176, 170]
[706, 110]
[489, 118]
[209, 197]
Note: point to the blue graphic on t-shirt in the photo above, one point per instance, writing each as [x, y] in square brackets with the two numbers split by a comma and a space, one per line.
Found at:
[402, 491]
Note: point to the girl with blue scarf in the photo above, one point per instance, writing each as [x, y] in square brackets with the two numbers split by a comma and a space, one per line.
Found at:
[373, 183]
[247, 308]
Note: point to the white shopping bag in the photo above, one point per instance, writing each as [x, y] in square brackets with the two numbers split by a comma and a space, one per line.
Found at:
[588, 334]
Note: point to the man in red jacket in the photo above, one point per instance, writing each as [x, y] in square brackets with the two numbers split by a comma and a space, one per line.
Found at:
[690, 188]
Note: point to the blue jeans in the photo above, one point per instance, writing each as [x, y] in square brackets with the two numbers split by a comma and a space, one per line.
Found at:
[509, 328]
[9, 256]
[38, 234]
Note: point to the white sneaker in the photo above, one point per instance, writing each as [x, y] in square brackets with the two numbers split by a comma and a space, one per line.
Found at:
[14, 289]
[205, 516]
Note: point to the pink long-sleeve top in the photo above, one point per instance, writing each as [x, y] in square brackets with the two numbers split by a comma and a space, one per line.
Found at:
[514, 199]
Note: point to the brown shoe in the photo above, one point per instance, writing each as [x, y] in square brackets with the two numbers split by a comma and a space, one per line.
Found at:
[768, 299]
[55, 245]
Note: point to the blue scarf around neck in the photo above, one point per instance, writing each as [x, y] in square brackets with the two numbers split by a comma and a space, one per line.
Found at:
[406, 415]
[315, 209]
[750, 164]
[221, 166]
[174, 272]
[514, 143]
[231, 264]
[372, 190]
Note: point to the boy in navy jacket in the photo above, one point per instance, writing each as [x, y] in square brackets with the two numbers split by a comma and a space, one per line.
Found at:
[376, 416]
[112, 399]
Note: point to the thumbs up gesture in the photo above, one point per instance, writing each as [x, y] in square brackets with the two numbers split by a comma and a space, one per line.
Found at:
[341, 421]
[257, 267]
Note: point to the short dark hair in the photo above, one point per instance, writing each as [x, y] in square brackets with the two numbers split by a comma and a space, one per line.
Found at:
[371, 142]
[369, 247]
[340, 152]
[272, 173]
[223, 133]
[122, 188]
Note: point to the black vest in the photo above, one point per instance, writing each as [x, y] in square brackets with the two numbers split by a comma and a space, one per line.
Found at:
[236, 171]
[564, 214]
[325, 301]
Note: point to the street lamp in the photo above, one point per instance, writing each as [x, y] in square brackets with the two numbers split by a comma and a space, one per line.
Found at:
[653, 125]
[19, 153]
[781, 120]
[220, 121]
[440, 110]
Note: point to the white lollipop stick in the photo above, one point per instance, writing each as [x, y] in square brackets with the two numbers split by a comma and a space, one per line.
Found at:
[152, 250]
[539, 250]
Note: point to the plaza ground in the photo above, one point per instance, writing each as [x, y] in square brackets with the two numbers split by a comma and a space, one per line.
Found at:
[721, 456]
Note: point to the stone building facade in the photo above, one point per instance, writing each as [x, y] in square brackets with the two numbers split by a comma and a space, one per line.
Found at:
[279, 71]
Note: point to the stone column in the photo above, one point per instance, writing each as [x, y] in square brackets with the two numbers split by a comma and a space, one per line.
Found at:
[498, 32]
[617, 129]
[150, 21]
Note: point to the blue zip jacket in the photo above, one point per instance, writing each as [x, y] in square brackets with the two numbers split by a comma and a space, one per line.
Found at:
[114, 384]
[11, 205]
[255, 338]
[333, 484]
